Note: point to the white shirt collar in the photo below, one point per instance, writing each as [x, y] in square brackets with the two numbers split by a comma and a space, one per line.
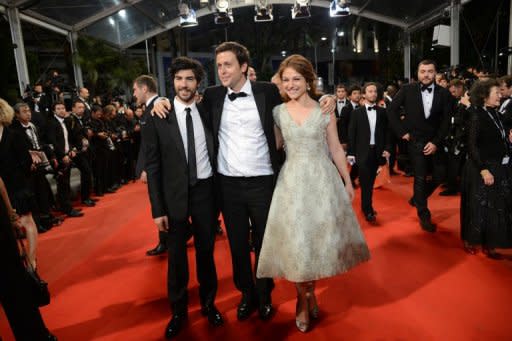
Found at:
[247, 88]
[354, 104]
[179, 106]
[60, 119]
[150, 99]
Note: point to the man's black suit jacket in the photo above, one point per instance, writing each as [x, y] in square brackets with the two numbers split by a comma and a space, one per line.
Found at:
[432, 129]
[507, 116]
[166, 165]
[344, 122]
[55, 137]
[266, 96]
[359, 134]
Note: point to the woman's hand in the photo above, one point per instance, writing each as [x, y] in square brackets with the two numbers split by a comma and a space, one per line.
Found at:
[350, 190]
[487, 177]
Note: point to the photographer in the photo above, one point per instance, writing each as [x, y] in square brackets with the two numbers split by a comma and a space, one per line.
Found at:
[100, 148]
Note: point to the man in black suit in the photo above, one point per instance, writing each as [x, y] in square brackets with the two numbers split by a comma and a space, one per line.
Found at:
[59, 136]
[179, 165]
[354, 95]
[80, 141]
[240, 117]
[391, 91]
[506, 105]
[83, 96]
[427, 108]
[341, 99]
[368, 145]
[147, 95]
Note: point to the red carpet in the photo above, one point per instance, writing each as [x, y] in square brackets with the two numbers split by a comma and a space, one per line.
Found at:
[417, 286]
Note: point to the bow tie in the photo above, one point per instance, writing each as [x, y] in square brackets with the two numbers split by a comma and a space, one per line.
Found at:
[341, 102]
[371, 108]
[426, 87]
[232, 96]
[26, 128]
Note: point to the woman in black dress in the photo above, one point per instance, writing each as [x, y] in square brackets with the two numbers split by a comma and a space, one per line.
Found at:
[486, 200]
[15, 169]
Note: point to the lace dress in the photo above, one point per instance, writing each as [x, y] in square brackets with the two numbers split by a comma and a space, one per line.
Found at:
[311, 231]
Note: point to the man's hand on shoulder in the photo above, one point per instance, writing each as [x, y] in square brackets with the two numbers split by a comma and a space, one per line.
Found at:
[161, 107]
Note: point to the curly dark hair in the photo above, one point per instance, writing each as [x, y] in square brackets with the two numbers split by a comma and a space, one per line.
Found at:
[481, 90]
[185, 63]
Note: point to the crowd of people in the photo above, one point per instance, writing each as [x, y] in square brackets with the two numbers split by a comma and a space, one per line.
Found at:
[279, 161]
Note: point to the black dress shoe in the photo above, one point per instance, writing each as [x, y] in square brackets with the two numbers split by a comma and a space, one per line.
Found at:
[448, 192]
[42, 229]
[213, 315]
[471, 249]
[74, 213]
[218, 230]
[427, 225]
[174, 326]
[370, 217]
[94, 199]
[492, 254]
[245, 308]
[411, 202]
[266, 311]
[88, 203]
[158, 250]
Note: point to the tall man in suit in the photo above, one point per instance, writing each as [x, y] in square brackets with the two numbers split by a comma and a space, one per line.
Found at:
[146, 94]
[59, 136]
[240, 116]
[368, 137]
[179, 165]
[80, 141]
[427, 107]
[354, 95]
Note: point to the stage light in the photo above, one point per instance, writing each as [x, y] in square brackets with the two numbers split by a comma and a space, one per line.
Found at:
[112, 21]
[301, 9]
[187, 14]
[341, 33]
[323, 38]
[224, 14]
[122, 13]
[263, 11]
[339, 8]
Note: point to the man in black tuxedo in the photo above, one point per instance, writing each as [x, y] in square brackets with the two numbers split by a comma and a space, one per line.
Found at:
[506, 105]
[80, 141]
[179, 165]
[83, 96]
[427, 108]
[368, 145]
[240, 117]
[341, 99]
[147, 95]
[59, 136]
[354, 95]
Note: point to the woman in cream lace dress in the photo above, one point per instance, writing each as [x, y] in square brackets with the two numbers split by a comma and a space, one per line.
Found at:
[311, 230]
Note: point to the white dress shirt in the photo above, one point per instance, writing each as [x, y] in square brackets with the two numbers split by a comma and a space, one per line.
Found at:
[243, 147]
[204, 168]
[372, 118]
[504, 105]
[428, 98]
[150, 99]
[65, 130]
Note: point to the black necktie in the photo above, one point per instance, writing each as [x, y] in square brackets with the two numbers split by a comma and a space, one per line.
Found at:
[371, 108]
[191, 149]
[232, 96]
[426, 87]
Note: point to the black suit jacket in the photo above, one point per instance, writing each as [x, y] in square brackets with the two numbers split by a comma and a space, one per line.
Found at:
[344, 122]
[359, 134]
[55, 137]
[266, 96]
[433, 129]
[166, 165]
[507, 116]
[140, 166]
